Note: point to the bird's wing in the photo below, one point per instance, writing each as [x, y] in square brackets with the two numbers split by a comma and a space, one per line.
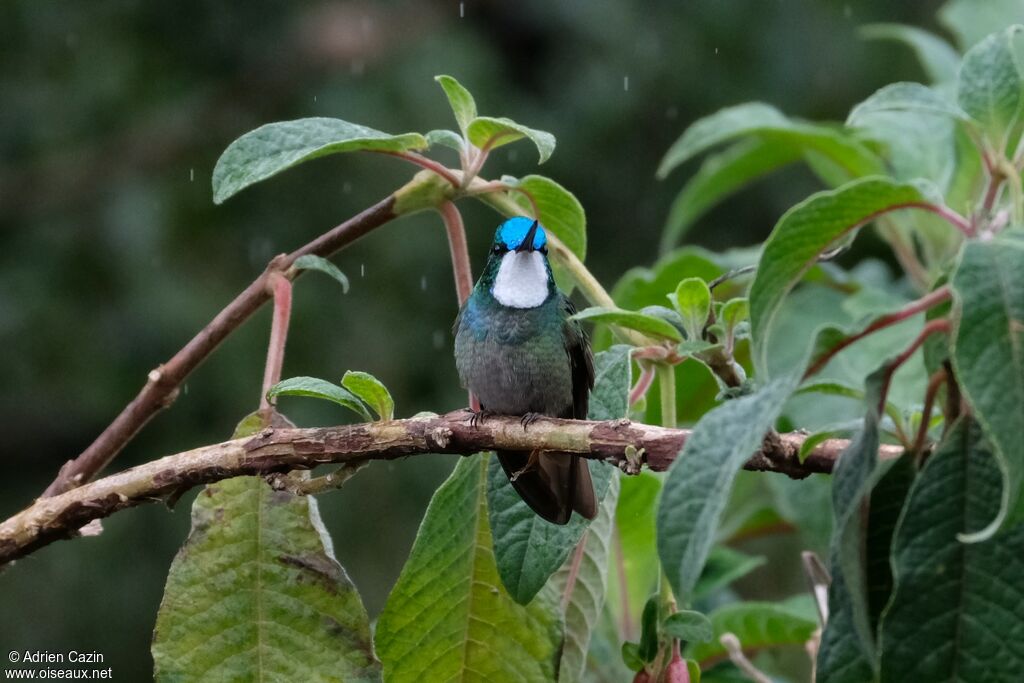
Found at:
[581, 361]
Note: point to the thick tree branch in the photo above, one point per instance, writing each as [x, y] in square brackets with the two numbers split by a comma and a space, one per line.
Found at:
[279, 450]
[161, 388]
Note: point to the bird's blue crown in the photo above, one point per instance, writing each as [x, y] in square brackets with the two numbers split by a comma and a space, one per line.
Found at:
[512, 232]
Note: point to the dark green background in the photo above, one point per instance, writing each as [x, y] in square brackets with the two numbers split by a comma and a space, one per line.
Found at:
[112, 115]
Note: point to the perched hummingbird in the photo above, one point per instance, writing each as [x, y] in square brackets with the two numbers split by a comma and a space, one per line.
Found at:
[518, 352]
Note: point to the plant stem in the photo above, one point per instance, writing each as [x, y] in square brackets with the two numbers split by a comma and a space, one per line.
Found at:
[461, 267]
[282, 291]
[934, 382]
[425, 162]
[667, 384]
[162, 385]
[643, 383]
[929, 300]
[574, 570]
[627, 630]
[937, 325]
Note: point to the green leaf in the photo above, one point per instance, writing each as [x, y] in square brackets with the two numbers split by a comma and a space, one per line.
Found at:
[719, 177]
[274, 147]
[371, 391]
[692, 299]
[886, 504]
[910, 97]
[847, 651]
[446, 138]
[991, 87]
[940, 61]
[833, 388]
[314, 262]
[561, 213]
[804, 233]
[313, 387]
[528, 549]
[972, 20]
[631, 656]
[690, 626]
[735, 311]
[648, 324]
[583, 598]
[988, 356]
[448, 617]
[699, 481]
[256, 593]
[816, 439]
[758, 625]
[957, 612]
[724, 566]
[757, 119]
[495, 132]
[460, 100]
[648, 649]
[634, 522]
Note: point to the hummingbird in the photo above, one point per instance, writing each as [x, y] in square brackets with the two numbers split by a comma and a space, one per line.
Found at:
[519, 352]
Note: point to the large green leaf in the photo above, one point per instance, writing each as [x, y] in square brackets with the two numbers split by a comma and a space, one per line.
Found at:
[912, 97]
[957, 613]
[991, 87]
[847, 653]
[758, 625]
[314, 387]
[988, 355]
[527, 548]
[449, 617]
[274, 147]
[938, 58]
[804, 233]
[720, 176]
[698, 484]
[636, 570]
[580, 587]
[766, 122]
[256, 594]
[972, 20]
[495, 132]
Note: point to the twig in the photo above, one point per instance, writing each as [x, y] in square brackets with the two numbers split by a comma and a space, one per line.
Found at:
[643, 383]
[282, 450]
[937, 325]
[282, 290]
[934, 382]
[425, 162]
[732, 645]
[574, 570]
[929, 300]
[162, 384]
[461, 266]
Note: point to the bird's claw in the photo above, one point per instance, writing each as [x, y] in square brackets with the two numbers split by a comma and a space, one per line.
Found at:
[477, 417]
[529, 419]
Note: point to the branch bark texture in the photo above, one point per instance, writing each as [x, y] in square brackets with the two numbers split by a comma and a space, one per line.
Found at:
[280, 450]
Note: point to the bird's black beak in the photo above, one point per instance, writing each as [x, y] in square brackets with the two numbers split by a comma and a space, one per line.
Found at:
[527, 244]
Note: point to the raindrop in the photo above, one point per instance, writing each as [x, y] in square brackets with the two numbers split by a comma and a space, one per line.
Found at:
[716, 50]
[184, 389]
[346, 187]
[513, 154]
[362, 270]
[671, 113]
[191, 175]
[423, 283]
[462, 10]
[625, 83]
[438, 339]
[847, 11]
[314, 98]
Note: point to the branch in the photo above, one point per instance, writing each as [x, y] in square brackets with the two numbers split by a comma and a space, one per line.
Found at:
[161, 388]
[281, 450]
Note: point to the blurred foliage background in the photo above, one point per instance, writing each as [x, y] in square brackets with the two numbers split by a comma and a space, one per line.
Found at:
[112, 254]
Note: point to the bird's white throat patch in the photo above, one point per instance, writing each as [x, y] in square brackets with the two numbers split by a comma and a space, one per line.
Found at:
[522, 280]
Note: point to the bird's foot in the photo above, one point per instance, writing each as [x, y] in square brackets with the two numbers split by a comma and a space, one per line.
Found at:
[530, 464]
[529, 419]
[477, 417]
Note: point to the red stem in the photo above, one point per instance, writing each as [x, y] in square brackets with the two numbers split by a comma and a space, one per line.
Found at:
[458, 249]
[929, 300]
[282, 289]
[424, 162]
[937, 325]
[643, 383]
[934, 382]
[574, 571]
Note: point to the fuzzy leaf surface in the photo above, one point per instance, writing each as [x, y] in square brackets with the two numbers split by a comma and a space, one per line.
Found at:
[449, 618]
[275, 147]
[256, 593]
